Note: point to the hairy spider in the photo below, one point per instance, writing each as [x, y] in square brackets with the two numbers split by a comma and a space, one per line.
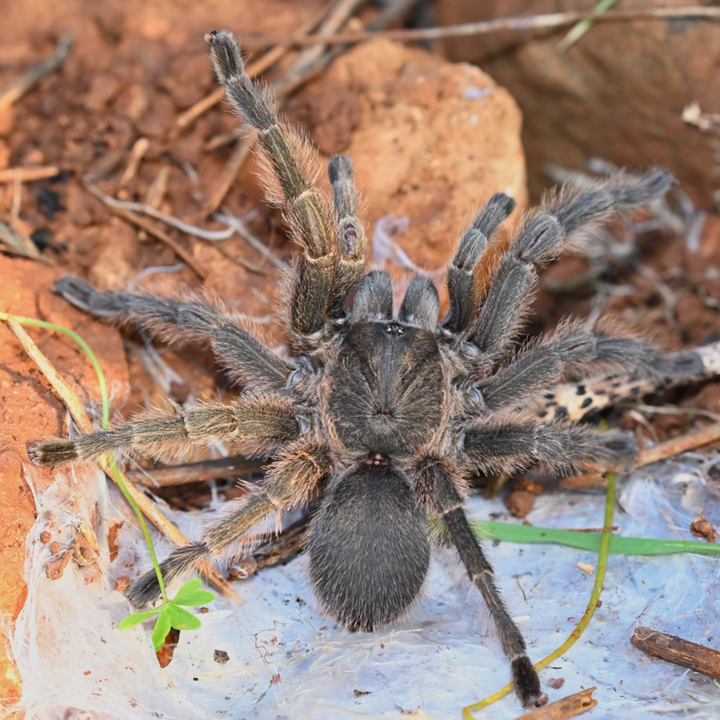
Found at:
[384, 414]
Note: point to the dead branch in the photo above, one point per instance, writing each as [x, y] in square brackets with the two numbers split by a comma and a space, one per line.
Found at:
[147, 226]
[28, 174]
[569, 707]
[522, 23]
[678, 651]
[195, 472]
[29, 79]
[675, 446]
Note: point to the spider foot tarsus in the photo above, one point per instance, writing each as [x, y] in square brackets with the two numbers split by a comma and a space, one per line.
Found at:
[146, 589]
[527, 683]
[52, 452]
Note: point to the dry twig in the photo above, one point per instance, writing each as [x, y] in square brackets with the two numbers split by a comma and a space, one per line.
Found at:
[676, 650]
[141, 146]
[18, 243]
[27, 81]
[522, 23]
[135, 219]
[74, 406]
[675, 446]
[28, 174]
[569, 707]
[195, 472]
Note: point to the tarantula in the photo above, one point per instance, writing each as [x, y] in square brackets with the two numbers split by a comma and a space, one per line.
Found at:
[384, 414]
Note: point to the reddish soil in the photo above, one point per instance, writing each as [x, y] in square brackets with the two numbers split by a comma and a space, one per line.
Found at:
[431, 142]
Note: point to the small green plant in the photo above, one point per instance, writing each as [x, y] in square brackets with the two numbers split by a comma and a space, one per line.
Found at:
[172, 613]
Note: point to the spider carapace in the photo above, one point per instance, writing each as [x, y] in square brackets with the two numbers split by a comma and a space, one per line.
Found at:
[380, 416]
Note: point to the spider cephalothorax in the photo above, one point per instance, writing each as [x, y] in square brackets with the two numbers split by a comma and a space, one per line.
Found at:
[382, 413]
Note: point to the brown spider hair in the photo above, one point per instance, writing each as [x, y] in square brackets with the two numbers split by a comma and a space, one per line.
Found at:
[382, 413]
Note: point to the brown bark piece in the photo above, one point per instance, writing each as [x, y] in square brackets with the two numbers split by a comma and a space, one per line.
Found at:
[569, 707]
[677, 650]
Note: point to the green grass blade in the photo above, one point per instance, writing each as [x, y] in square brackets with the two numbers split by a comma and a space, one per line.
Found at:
[511, 532]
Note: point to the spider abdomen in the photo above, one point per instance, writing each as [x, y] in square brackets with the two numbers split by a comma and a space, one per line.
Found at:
[368, 548]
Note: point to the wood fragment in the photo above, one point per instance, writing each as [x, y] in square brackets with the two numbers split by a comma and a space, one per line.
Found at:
[284, 547]
[29, 79]
[156, 193]
[569, 707]
[521, 23]
[677, 650]
[675, 446]
[585, 481]
[18, 243]
[196, 472]
[28, 174]
[74, 406]
[139, 149]
[229, 173]
[149, 228]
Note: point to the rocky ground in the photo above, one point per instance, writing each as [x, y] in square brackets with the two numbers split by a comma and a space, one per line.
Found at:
[432, 138]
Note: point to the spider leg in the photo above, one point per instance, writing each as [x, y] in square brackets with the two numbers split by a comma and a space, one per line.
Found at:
[289, 173]
[461, 281]
[437, 487]
[560, 223]
[250, 425]
[505, 446]
[289, 483]
[580, 349]
[350, 231]
[248, 359]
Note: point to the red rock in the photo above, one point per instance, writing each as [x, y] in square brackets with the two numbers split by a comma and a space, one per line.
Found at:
[29, 411]
[618, 94]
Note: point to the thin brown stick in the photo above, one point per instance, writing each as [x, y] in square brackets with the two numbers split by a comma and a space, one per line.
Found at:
[27, 81]
[678, 651]
[675, 446]
[569, 707]
[139, 149]
[28, 174]
[76, 409]
[257, 68]
[16, 242]
[237, 159]
[148, 227]
[669, 448]
[157, 190]
[195, 472]
[283, 547]
[516, 24]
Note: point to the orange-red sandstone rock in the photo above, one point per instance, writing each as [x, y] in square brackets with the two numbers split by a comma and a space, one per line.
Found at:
[618, 94]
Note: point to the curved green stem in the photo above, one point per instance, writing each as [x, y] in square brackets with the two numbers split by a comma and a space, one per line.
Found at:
[117, 475]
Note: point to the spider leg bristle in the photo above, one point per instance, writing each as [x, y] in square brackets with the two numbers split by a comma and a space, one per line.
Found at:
[52, 452]
[421, 304]
[146, 589]
[461, 281]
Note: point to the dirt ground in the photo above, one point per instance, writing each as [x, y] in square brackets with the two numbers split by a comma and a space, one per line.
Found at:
[431, 140]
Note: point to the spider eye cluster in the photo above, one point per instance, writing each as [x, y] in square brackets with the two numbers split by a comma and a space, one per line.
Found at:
[394, 329]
